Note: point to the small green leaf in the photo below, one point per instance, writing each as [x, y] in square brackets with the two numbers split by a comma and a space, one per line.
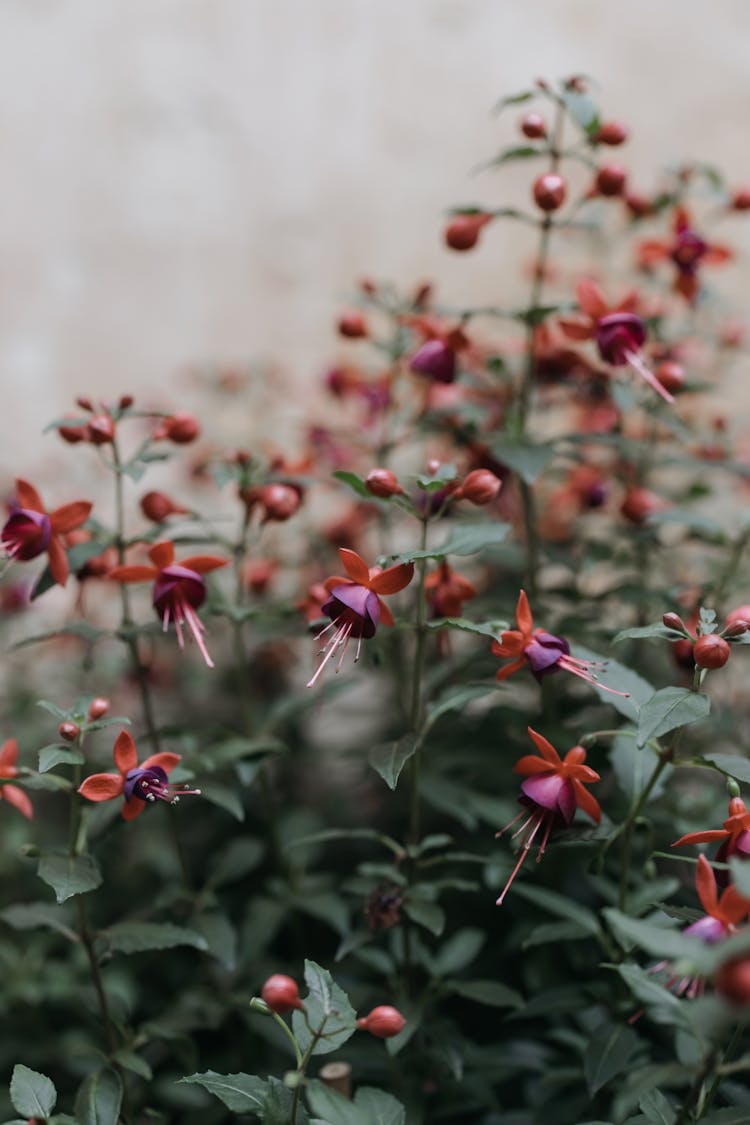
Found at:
[561, 905]
[527, 460]
[224, 797]
[656, 631]
[134, 1063]
[99, 1099]
[509, 99]
[355, 482]
[489, 992]
[491, 629]
[466, 539]
[668, 709]
[633, 767]
[582, 109]
[327, 1000]
[33, 1094]
[515, 152]
[138, 937]
[69, 875]
[240, 1093]
[55, 755]
[389, 759]
[455, 700]
[29, 916]
[437, 480]
[332, 1107]
[609, 1052]
[427, 914]
[459, 950]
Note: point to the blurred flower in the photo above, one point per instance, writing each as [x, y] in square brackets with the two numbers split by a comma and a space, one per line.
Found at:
[733, 837]
[383, 907]
[11, 793]
[139, 784]
[31, 531]
[687, 251]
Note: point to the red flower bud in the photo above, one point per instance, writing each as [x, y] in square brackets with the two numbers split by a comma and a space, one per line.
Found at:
[711, 651]
[741, 200]
[126, 401]
[742, 613]
[85, 403]
[157, 506]
[640, 503]
[384, 1022]
[533, 126]
[671, 375]
[462, 232]
[181, 428]
[674, 621]
[100, 430]
[611, 179]
[480, 487]
[732, 981]
[98, 708]
[72, 434]
[281, 994]
[280, 501]
[352, 325]
[383, 483]
[69, 731]
[611, 133]
[638, 205]
[738, 629]
[549, 191]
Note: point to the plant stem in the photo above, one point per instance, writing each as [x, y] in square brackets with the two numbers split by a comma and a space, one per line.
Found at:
[726, 577]
[415, 713]
[692, 1096]
[665, 757]
[302, 1069]
[87, 941]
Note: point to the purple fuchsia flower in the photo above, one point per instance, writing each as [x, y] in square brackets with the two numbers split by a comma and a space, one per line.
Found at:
[30, 530]
[179, 588]
[550, 794]
[687, 252]
[733, 837]
[355, 606]
[139, 783]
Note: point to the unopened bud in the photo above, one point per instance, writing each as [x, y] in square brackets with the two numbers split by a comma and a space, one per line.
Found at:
[85, 403]
[480, 487]
[462, 232]
[100, 430]
[280, 501]
[611, 180]
[181, 428]
[126, 401]
[736, 629]
[383, 483]
[674, 621]
[741, 200]
[384, 1022]
[742, 613]
[281, 994]
[352, 325]
[72, 434]
[711, 651]
[69, 731]
[157, 506]
[733, 787]
[549, 191]
[611, 133]
[98, 707]
[533, 126]
[671, 375]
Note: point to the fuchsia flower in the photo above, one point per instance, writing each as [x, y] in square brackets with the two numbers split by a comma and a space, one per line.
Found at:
[554, 788]
[11, 793]
[30, 530]
[543, 652]
[618, 332]
[179, 588]
[139, 784]
[355, 606]
[734, 836]
[687, 252]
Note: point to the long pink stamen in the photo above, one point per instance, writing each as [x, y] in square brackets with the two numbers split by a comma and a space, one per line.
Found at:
[329, 650]
[522, 857]
[525, 824]
[590, 679]
[507, 826]
[198, 628]
[344, 644]
[638, 365]
[543, 844]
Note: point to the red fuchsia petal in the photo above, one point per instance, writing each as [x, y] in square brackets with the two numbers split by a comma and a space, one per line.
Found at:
[687, 285]
[709, 837]
[575, 757]
[591, 299]
[133, 573]
[20, 800]
[386, 617]
[651, 251]
[681, 220]
[582, 773]
[585, 801]
[335, 580]
[524, 620]
[125, 753]
[8, 757]
[732, 907]
[628, 303]
[510, 644]
[162, 554]
[705, 885]
[203, 564]
[545, 748]
[576, 328]
[354, 566]
[101, 787]
[132, 809]
[57, 561]
[509, 669]
[717, 255]
[163, 760]
[70, 516]
[530, 764]
[28, 497]
[393, 579]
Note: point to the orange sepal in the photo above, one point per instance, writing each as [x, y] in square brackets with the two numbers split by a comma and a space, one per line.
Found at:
[717, 255]
[585, 801]
[202, 564]
[28, 497]
[545, 748]
[57, 561]
[531, 764]
[70, 516]
[101, 787]
[20, 800]
[705, 885]
[386, 617]
[732, 906]
[511, 643]
[162, 554]
[708, 837]
[133, 573]
[354, 566]
[524, 619]
[591, 299]
[125, 753]
[132, 808]
[392, 580]
[164, 760]
[8, 757]
[509, 669]
[576, 328]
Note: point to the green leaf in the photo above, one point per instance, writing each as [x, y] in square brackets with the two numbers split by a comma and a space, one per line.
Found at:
[224, 797]
[278, 1105]
[427, 914]
[658, 941]
[237, 859]
[327, 834]
[456, 700]
[55, 755]
[609, 1052]
[332, 1107]
[633, 767]
[484, 629]
[509, 99]
[459, 950]
[657, 631]
[29, 916]
[52, 709]
[466, 539]
[389, 759]
[240, 1093]
[515, 152]
[561, 905]
[69, 875]
[732, 1115]
[33, 1094]
[662, 1005]
[668, 709]
[656, 1108]
[555, 932]
[732, 764]
[437, 480]
[99, 1099]
[582, 109]
[621, 678]
[134, 1063]
[355, 482]
[327, 1000]
[489, 992]
[380, 1108]
[138, 937]
[527, 460]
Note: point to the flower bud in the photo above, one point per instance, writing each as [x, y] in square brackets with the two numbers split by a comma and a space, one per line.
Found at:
[732, 980]
[737, 629]
[382, 483]
[126, 401]
[352, 325]
[640, 503]
[711, 651]
[671, 375]
[69, 731]
[638, 205]
[72, 434]
[462, 232]
[156, 506]
[611, 133]
[181, 428]
[98, 708]
[549, 191]
[674, 621]
[384, 1022]
[742, 613]
[435, 359]
[100, 430]
[533, 126]
[611, 179]
[480, 487]
[281, 994]
[741, 200]
[85, 403]
[280, 501]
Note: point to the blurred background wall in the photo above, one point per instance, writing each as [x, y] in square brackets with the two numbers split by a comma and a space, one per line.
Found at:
[202, 180]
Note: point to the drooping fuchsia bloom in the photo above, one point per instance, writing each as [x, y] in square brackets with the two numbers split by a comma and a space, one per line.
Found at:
[179, 588]
[543, 652]
[139, 784]
[31, 530]
[733, 837]
[355, 606]
[11, 793]
[552, 791]
[687, 251]
[618, 332]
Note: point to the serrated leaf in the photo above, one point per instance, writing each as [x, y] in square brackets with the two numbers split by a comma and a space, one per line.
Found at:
[662, 1005]
[240, 1093]
[622, 678]
[609, 1052]
[427, 914]
[69, 875]
[55, 755]
[527, 460]
[389, 759]
[139, 937]
[332, 1107]
[33, 1094]
[99, 1099]
[459, 950]
[668, 709]
[325, 1000]
[489, 992]
[133, 1062]
[466, 539]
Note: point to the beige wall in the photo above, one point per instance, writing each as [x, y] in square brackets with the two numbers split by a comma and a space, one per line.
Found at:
[188, 180]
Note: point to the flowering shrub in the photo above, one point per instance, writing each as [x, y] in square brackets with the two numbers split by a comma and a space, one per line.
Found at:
[352, 865]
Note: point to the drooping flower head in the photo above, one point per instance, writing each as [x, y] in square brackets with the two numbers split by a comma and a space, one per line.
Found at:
[138, 783]
[543, 652]
[733, 837]
[550, 794]
[355, 606]
[8, 768]
[31, 531]
[619, 332]
[179, 588]
[687, 251]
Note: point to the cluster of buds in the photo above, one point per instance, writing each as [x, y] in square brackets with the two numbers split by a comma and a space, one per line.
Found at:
[710, 649]
[100, 427]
